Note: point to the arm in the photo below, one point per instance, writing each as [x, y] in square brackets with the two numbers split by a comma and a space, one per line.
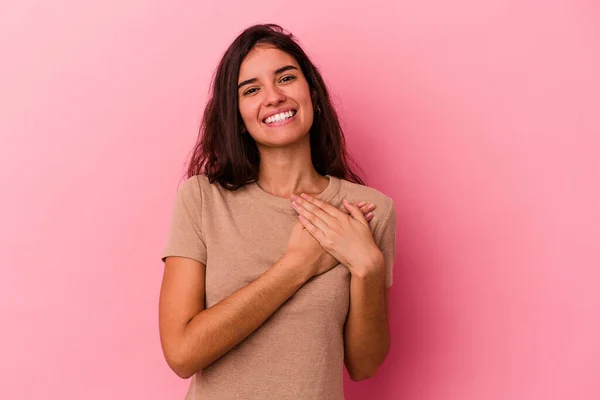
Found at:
[366, 333]
[192, 337]
[349, 239]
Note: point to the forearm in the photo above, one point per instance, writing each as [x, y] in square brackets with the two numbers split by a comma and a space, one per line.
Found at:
[216, 330]
[366, 332]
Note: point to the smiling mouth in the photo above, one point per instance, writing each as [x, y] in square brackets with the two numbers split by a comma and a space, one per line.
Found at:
[279, 117]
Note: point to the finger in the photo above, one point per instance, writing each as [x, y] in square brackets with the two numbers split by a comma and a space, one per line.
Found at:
[303, 210]
[323, 205]
[343, 209]
[317, 210]
[367, 207]
[355, 211]
[311, 228]
[364, 207]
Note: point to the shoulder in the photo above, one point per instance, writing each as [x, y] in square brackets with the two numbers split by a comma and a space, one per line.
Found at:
[199, 189]
[384, 219]
[356, 192]
[194, 186]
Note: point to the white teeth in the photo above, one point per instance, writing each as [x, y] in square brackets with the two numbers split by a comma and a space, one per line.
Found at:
[280, 117]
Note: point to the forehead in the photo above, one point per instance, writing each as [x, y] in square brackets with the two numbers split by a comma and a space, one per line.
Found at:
[263, 60]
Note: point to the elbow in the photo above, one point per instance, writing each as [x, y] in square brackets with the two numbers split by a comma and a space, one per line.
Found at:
[182, 360]
[181, 366]
[364, 370]
[362, 375]
[182, 372]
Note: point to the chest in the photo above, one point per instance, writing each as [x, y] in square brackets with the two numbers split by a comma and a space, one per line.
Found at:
[243, 245]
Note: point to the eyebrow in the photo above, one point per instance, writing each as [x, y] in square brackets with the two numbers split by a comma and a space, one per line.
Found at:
[277, 72]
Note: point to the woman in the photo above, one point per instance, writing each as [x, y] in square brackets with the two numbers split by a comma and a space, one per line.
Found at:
[272, 279]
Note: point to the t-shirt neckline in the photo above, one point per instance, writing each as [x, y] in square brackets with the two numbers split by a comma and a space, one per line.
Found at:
[285, 203]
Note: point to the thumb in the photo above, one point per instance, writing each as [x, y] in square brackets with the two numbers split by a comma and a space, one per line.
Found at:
[344, 209]
[355, 212]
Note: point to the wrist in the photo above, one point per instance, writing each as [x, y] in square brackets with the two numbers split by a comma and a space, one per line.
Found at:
[297, 262]
[372, 266]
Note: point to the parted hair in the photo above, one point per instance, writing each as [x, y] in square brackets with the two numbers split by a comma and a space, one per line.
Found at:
[226, 154]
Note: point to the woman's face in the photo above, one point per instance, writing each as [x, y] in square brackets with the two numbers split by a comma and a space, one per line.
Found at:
[274, 97]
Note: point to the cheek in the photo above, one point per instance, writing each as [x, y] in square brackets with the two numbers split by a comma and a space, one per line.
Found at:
[309, 116]
[308, 109]
[306, 100]
[247, 112]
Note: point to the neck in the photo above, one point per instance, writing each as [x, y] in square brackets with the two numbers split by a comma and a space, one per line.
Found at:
[284, 171]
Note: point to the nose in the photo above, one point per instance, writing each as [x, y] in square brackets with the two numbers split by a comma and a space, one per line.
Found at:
[273, 95]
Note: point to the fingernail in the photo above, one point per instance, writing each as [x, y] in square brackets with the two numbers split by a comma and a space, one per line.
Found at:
[362, 203]
[369, 215]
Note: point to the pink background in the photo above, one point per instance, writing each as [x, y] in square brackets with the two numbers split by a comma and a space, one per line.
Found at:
[480, 118]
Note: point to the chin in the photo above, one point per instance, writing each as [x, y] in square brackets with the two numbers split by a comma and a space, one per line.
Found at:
[281, 140]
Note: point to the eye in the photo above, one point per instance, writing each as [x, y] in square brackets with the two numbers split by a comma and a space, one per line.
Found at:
[250, 91]
[288, 78]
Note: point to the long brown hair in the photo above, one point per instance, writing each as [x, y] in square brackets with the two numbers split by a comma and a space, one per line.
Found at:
[231, 158]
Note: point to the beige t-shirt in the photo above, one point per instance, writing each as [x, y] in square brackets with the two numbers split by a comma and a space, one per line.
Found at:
[298, 352]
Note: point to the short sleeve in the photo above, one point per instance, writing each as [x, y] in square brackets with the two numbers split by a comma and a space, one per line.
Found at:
[385, 238]
[185, 238]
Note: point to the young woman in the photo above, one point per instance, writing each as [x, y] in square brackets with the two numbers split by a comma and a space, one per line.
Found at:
[277, 270]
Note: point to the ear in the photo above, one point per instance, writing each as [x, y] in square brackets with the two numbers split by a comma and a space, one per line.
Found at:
[313, 96]
[242, 125]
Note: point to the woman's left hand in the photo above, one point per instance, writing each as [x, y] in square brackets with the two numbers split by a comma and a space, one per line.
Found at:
[348, 238]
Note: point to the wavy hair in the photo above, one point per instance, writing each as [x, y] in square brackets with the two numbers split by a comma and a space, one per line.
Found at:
[231, 158]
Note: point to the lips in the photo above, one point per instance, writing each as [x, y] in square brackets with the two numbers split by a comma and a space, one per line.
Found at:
[279, 115]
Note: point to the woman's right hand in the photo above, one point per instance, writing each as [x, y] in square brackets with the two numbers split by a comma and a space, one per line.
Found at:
[308, 249]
